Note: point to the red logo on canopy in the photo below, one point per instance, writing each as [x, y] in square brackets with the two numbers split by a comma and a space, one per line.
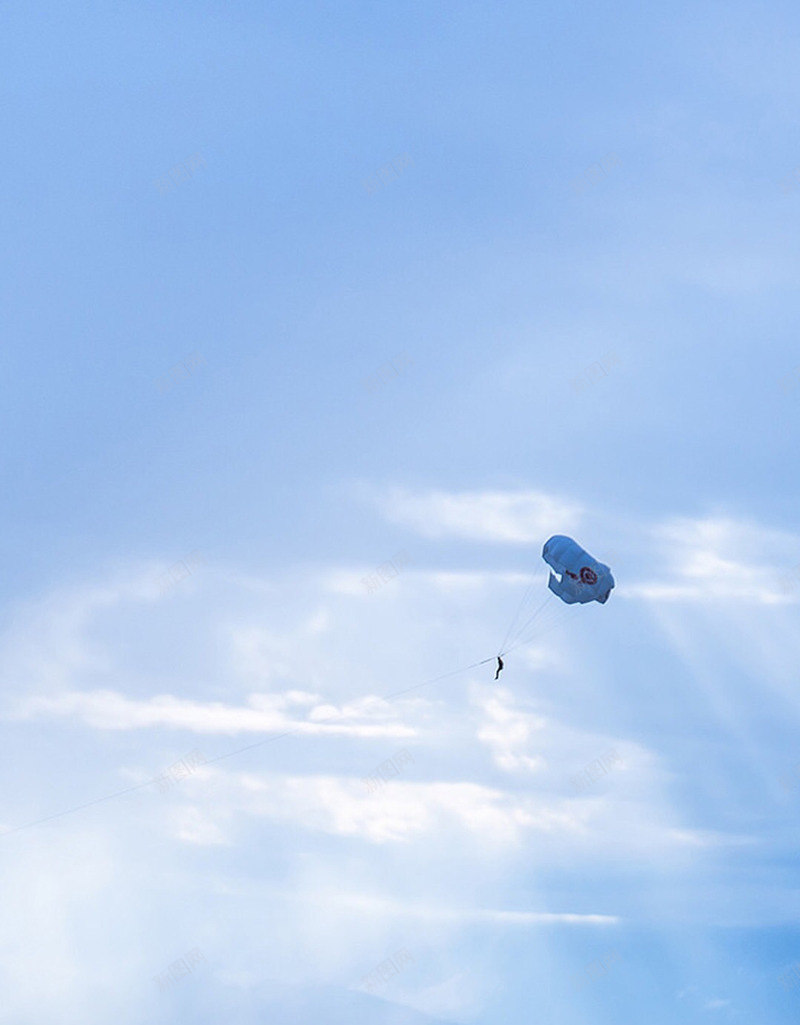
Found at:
[588, 576]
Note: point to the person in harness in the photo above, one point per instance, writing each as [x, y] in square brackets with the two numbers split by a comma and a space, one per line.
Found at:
[499, 667]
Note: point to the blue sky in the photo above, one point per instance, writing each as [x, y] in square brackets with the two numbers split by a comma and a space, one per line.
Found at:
[284, 432]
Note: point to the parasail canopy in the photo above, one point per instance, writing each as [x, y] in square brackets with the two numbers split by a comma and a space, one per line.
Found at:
[578, 576]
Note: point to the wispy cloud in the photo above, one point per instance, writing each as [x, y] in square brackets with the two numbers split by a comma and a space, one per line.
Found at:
[262, 713]
[498, 916]
[719, 558]
[489, 818]
[515, 517]
[508, 731]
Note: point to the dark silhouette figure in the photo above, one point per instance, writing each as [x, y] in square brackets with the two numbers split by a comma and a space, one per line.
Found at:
[499, 667]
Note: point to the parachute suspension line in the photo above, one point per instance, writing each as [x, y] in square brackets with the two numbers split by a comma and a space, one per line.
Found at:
[528, 622]
[538, 626]
[435, 679]
[525, 596]
[546, 623]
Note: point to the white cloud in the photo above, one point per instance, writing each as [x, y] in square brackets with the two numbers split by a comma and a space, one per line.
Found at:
[521, 741]
[263, 713]
[194, 827]
[516, 517]
[508, 731]
[367, 903]
[723, 559]
[488, 808]
[400, 811]
[487, 819]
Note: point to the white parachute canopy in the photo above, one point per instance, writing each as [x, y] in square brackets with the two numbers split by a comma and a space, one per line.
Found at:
[578, 576]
